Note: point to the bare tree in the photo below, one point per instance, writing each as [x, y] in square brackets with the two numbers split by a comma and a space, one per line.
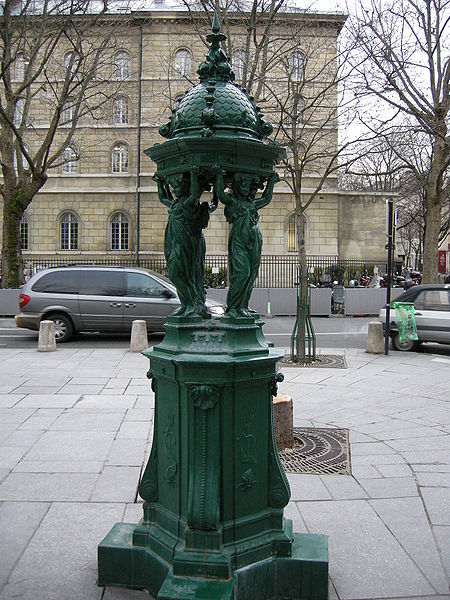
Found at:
[402, 58]
[399, 161]
[56, 65]
[289, 60]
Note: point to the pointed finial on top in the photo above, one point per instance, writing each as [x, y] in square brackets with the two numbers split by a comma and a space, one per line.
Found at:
[216, 23]
[216, 66]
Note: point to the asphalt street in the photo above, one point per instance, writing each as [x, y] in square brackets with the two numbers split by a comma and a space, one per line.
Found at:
[334, 332]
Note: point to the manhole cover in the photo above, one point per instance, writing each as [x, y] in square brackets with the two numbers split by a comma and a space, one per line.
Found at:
[328, 361]
[318, 451]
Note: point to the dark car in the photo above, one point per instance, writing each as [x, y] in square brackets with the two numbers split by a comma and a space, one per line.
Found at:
[104, 299]
[432, 315]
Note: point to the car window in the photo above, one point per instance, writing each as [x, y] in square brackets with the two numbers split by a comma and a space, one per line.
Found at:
[141, 285]
[101, 283]
[58, 282]
[434, 300]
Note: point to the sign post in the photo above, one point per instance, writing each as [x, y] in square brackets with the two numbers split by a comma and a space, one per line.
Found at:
[389, 246]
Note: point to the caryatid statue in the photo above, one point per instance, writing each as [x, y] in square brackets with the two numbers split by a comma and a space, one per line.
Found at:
[245, 239]
[184, 243]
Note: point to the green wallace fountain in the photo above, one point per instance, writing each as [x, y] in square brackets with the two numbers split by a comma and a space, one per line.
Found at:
[214, 489]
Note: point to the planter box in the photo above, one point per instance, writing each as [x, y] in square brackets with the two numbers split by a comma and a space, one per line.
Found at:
[283, 301]
[9, 302]
[367, 301]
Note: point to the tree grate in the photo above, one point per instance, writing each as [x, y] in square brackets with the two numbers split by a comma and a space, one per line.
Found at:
[318, 451]
[324, 361]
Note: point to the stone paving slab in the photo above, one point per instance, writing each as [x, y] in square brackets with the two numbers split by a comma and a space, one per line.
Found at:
[366, 560]
[16, 532]
[70, 464]
[408, 522]
[60, 562]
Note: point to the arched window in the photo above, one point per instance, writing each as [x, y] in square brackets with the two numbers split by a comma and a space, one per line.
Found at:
[68, 231]
[121, 65]
[119, 158]
[182, 62]
[295, 110]
[18, 112]
[120, 110]
[67, 113]
[19, 68]
[292, 238]
[69, 161]
[24, 233]
[119, 231]
[292, 233]
[297, 65]
[238, 63]
[23, 163]
[71, 60]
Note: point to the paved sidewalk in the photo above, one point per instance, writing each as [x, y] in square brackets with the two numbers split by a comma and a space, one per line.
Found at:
[75, 431]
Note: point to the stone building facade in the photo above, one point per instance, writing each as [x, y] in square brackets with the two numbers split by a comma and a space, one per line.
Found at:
[103, 203]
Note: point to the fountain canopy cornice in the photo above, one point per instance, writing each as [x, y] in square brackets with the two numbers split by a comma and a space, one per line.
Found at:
[216, 122]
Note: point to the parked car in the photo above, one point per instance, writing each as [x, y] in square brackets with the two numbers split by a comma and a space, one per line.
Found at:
[104, 299]
[432, 315]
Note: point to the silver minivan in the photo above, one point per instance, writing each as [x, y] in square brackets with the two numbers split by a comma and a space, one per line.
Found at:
[104, 299]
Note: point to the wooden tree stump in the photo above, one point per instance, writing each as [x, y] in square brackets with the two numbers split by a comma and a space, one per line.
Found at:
[283, 419]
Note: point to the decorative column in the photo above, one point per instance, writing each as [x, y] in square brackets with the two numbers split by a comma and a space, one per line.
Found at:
[214, 489]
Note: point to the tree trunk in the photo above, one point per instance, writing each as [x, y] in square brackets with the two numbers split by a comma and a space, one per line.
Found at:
[434, 206]
[12, 271]
[303, 288]
[431, 240]
[16, 200]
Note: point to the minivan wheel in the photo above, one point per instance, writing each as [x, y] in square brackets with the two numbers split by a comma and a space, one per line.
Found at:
[63, 327]
[406, 346]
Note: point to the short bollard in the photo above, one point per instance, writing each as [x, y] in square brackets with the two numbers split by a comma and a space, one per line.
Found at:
[375, 339]
[46, 341]
[139, 341]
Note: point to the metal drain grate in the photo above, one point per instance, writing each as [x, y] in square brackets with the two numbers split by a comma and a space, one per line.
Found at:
[328, 361]
[318, 451]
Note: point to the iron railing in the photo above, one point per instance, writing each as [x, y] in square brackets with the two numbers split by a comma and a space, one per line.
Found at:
[275, 270]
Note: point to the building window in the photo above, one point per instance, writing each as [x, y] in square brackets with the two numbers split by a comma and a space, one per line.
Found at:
[182, 62]
[19, 68]
[297, 66]
[69, 231]
[121, 65]
[67, 113]
[292, 233]
[18, 112]
[119, 232]
[23, 163]
[238, 63]
[120, 111]
[71, 60]
[69, 161]
[295, 111]
[24, 234]
[119, 159]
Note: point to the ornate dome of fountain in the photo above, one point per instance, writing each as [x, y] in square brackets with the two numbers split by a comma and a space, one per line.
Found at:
[216, 122]
[216, 106]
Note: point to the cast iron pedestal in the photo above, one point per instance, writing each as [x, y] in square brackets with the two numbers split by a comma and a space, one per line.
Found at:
[214, 488]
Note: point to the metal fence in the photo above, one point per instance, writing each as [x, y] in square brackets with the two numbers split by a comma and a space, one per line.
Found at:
[278, 271]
